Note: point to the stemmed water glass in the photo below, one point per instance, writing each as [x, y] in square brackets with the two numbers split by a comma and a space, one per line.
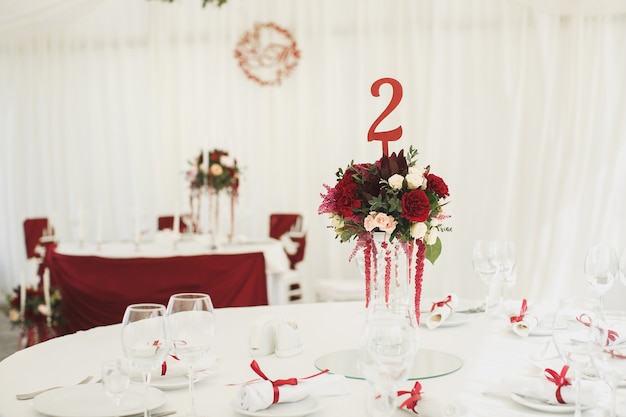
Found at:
[610, 359]
[191, 327]
[388, 347]
[577, 334]
[115, 380]
[494, 263]
[144, 341]
[601, 268]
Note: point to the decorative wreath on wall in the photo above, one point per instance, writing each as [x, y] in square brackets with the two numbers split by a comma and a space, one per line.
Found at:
[267, 54]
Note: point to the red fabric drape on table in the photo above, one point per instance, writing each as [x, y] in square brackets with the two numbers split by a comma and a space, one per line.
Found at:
[97, 290]
[33, 230]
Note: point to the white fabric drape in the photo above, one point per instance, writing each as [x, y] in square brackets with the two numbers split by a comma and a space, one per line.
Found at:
[519, 109]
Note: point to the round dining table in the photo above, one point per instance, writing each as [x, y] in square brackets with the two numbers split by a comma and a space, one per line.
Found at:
[483, 350]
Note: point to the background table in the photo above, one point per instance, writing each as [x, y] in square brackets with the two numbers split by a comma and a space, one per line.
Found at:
[98, 284]
[488, 348]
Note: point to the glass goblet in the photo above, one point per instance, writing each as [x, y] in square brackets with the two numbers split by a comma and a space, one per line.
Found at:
[622, 266]
[576, 334]
[144, 340]
[610, 358]
[487, 270]
[115, 380]
[388, 347]
[601, 268]
[191, 327]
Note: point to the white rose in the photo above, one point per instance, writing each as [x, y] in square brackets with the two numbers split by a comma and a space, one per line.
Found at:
[418, 230]
[395, 181]
[227, 161]
[431, 236]
[43, 310]
[414, 180]
[336, 222]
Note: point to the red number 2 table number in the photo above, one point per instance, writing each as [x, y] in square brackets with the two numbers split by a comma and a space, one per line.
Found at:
[388, 135]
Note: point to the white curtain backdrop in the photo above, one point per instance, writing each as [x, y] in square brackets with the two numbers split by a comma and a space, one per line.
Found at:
[519, 105]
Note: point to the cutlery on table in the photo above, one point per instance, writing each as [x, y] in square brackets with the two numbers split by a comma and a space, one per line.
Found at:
[31, 395]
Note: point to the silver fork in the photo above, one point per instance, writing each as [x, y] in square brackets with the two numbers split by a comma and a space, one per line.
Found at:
[31, 395]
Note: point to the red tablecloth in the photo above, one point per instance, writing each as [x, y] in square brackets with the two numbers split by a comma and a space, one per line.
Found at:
[97, 290]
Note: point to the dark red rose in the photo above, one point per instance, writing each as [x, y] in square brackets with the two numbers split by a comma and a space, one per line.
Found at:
[415, 206]
[346, 196]
[437, 186]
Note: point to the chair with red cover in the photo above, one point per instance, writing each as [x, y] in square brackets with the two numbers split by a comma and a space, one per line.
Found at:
[34, 230]
[167, 222]
[288, 228]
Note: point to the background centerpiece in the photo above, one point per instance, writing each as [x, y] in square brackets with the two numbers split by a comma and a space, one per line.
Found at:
[220, 174]
[391, 203]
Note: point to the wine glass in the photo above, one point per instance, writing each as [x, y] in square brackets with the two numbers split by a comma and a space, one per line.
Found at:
[144, 340]
[191, 327]
[493, 262]
[115, 380]
[388, 347]
[576, 334]
[601, 267]
[622, 266]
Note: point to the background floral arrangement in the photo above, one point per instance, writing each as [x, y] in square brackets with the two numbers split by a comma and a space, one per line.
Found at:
[35, 310]
[392, 195]
[222, 172]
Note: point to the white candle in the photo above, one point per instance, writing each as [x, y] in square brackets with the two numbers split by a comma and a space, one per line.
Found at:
[99, 226]
[22, 294]
[46, 289]
[176, 225]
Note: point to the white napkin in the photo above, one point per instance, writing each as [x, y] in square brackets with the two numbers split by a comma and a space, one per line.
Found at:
[441, 311]
[530, 318]
[592, 392]
[259, 394]
[428, 406]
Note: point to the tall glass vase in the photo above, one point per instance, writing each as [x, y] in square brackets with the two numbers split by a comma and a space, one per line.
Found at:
[389, 338]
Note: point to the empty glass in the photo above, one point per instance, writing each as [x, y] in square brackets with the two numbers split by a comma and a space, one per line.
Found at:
[601, 267]
[115, 380]
[577, 334]
[494, 263]
[144, 340]
[622, 266]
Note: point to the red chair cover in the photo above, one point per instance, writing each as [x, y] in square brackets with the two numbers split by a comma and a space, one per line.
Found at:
[281, 223]
[33, 231]
[97, 290]
[167, 222]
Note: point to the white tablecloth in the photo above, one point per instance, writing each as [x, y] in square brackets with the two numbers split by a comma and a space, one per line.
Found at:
[487, 346]
[276, 261]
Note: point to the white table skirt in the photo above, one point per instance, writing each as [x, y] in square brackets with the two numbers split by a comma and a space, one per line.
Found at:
[276, 261]
[487, 346]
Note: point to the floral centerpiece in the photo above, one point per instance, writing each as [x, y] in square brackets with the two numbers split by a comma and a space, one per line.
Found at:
[223, 172]
[394, 195]
[37, 319]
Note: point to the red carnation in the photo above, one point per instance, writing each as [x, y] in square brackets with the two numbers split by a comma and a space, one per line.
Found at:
[346, 195]
[415, 206]
[437, 185]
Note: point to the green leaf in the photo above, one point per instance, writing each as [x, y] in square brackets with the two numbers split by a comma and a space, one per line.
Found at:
[433, 251]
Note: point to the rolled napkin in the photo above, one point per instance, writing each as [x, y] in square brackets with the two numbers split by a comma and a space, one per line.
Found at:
[259, 394]
[441, 310]
[556, 388]
[424, 405]
[528, 318]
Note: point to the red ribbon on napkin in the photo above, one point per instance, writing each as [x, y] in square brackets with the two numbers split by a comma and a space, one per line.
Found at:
[559, 380]
[279, 382]
[415, 396]
[444, 302]
[585, 320]
[522, 311]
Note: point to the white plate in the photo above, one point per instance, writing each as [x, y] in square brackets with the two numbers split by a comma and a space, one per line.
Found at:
[540, 405]
[90, 400]
[301, 408]
[540, 330]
